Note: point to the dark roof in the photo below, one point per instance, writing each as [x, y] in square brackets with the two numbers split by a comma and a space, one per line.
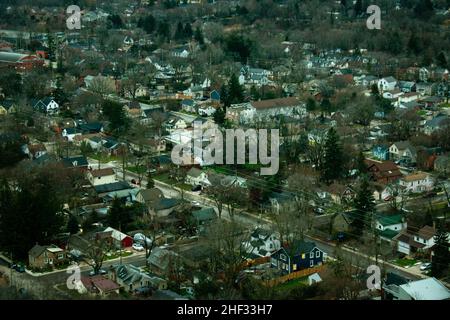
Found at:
[165, 203]
[91, 127]
[390, 220]
[299, 247]
[110, 187]
[393, 278]
[275, 103]
[77, 161]
[36, 251]
[205, 214]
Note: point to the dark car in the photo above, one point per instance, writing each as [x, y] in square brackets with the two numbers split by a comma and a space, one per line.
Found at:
[18, 267]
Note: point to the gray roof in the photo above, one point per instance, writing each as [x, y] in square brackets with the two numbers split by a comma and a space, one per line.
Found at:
[426, 289]
[36, 251]
[11, 57]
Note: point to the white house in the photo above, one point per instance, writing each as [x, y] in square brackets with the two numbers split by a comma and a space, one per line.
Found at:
[408, 242]
[70, 133]
[417, 182]
[101, 176]
[424, 289]
[262, 243]
[389, 226]
[197, 177]
[387, 84]
[47, 105]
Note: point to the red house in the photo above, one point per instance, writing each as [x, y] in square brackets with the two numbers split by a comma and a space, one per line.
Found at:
[383, 171]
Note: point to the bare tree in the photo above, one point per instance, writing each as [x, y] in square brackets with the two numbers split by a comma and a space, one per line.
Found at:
[95, 254]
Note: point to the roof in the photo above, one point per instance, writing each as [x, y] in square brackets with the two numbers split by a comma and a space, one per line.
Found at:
[11, 57]
[388, 233]
[426, 289]
[299, 247]
[110, 187]
[151, 194]
[129, 274]
[36, 251]
[426, 232]
[165, 204]
[205, 214]
[415, 177]
[116, 234]
[102, 283]
[390, 79]
[402, 145]
[194, 172]
[77, 161]
[102, 172]
[390, 220]
[161, 258]
[275, 103]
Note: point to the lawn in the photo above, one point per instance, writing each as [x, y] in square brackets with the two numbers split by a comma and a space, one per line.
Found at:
[405, 262]
[292, 284]
[104, 158]
[137, 169]
[115, 255]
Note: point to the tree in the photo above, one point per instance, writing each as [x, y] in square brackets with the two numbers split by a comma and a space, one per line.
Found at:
[115, 21]
[361, 164]
[441, 60]
[72, 225]
[358, 7]
[198, 36]
[11, 83]
[235, 90]
[150, 181]
[219, 115]
[310, 104]
[179, 32]
[424, 9]
[148, 24]
[364, 205]
[332, 165]
[95, 254]
[440, 262]
[115, 114]
[119, 216]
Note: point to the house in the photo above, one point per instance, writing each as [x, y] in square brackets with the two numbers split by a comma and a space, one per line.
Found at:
[407, 86]
[36, 150]
[206, 110]
[392, 94]
[389, 226]
[424, 74]
[46, 105]
[182, 52]
[442, 164]
[417, 182]
[43, 257]
[188, 105]
[149, 196]
[424, 89]
[71, 133]
[437, 123]
[381, 152]
[404, 151]
[78, 162]
[119, 239]
[424, 289]
[265, 109]
[279, 200]
[201, 218]
[163, 207]
[132, 279]
[383, 171]
[104, 189]
[262, 243]
[410, 242]
[91, 127]
[101, 176]
[197, 177]
[98, 285]
[163, 261]
[214, 96]
[7, 107]
[387, 84]
[297, 256]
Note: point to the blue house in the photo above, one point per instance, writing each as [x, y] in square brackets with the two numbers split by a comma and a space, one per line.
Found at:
[215, 96]
[381, 152]
[298, 256]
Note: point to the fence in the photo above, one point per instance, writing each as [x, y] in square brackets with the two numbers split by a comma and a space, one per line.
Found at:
[294, 275]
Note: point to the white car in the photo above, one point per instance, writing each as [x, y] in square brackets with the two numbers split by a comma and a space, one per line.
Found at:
[138, 247]
[425, 266]
[196, 203]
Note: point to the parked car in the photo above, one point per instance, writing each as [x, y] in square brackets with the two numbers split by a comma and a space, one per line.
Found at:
[196, 203]
[138, 247]
[101, 271]
[425, 266]
[140, 238]
[18, 267]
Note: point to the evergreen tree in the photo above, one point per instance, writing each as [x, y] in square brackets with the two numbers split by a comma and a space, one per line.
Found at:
[358, 7]
[364, 206]
[225, 95]
[148, 24]
[441, 60]
[188, 30]
[360, 163]
[198, 36]
[332, 165]
[325, 106]
[440, 261]
[424, 9]
[179, 33]
[236, 91]
[219, 115]
[72, 225]
[150, 181]
[310, 104]
[119, 216]
[414, 44]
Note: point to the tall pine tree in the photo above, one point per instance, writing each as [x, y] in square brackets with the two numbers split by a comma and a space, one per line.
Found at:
[332, 164]
[440, 262]
[364, 205]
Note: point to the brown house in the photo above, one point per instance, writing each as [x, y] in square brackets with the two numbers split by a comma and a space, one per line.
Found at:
[41, 257]
[383, 172]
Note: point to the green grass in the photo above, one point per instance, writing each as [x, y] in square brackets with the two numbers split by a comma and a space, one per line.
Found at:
[116, 255]
[104, 158]
[163, 177]
[137, 169]
[292, 284]
[405, 262]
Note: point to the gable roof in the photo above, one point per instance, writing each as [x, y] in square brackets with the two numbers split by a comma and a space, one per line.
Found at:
[102, 172]
[110, 187]
[426, 289]
[390, 220]
[426, 232]
[77, 161]
[116, 234]
[36, 251]
[275, 103]
[299, 247]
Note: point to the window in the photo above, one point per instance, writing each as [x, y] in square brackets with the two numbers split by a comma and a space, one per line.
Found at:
[45, 260]
[311, 255]
[283, 257]
[317, 254]
[60, 256]
[303, 256]
[294, 267]
[311, 263]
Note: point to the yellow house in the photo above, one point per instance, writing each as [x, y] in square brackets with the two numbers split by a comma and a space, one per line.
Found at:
[7, 106]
